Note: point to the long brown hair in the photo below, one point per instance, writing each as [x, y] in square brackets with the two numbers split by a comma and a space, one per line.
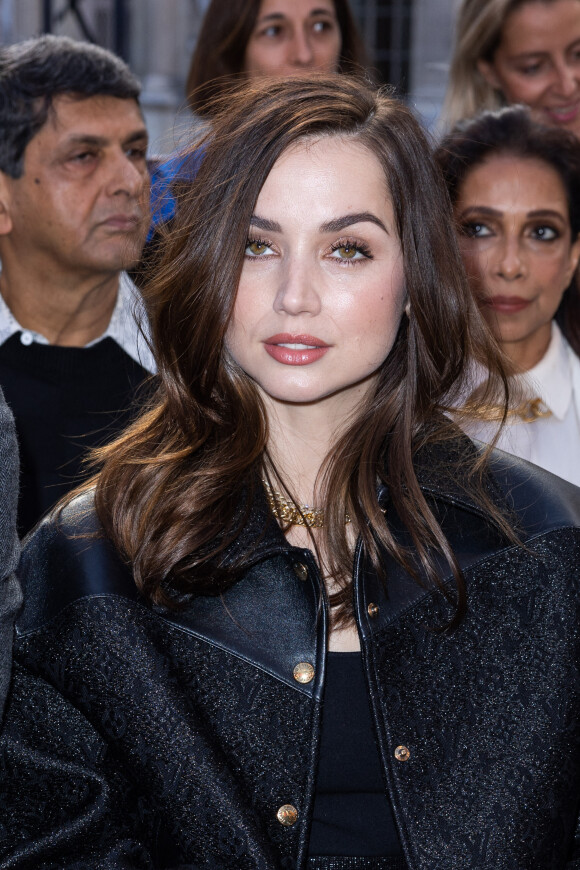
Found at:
[177, 487]
[221, 48]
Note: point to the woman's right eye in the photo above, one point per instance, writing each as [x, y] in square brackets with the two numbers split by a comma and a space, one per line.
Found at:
[272, 31]
[476, 230]
[257, 248]
[530, 69]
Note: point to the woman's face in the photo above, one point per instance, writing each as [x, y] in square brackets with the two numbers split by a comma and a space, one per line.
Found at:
[321, 292]
[538, 61]
[294, 37]
[517, 248]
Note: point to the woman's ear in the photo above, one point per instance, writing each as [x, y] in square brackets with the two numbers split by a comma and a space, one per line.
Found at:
[488, 72]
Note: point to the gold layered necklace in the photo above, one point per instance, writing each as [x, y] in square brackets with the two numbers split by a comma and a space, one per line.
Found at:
[289, 513]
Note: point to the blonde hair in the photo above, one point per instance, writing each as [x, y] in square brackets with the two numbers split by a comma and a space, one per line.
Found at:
[478, 32]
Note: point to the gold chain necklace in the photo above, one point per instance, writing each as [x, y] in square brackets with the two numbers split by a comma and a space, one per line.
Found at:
[533, 409]
[527, 411]
[292, 514]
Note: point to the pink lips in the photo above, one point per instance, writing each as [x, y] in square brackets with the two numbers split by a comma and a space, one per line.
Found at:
[295, 350]
[562, 115]
[506, 304]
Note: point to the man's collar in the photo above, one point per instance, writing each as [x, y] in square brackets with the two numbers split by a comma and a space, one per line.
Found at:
[127, 327]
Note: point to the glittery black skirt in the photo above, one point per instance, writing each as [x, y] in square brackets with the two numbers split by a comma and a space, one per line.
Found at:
[336, 863]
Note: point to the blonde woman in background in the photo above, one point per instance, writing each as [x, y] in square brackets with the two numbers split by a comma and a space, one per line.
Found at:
[516, 51]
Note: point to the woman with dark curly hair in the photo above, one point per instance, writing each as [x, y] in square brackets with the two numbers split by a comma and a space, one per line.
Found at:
[299, 620]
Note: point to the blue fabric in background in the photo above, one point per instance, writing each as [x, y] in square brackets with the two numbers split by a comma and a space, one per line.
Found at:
[178, 167]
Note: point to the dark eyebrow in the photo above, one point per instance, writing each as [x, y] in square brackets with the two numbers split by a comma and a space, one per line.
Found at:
[494, 212]
[347, 220]
[278, 16]
[481, 209]
[333, 226]
[265, 224]
[546, 212]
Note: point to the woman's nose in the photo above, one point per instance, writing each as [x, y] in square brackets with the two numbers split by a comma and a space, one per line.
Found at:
[301, 48]
[510, 264]
[567, 79]
[297, 293]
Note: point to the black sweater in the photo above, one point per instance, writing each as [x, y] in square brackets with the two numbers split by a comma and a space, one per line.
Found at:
[65, 400]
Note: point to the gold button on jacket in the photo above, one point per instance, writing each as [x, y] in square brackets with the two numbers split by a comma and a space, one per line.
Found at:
[303, 672]
[287, 815]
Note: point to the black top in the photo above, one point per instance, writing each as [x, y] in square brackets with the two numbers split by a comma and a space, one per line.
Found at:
[65, 400]
[352, 814]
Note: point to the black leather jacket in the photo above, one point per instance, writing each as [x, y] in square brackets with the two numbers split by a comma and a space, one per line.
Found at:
[138, 738]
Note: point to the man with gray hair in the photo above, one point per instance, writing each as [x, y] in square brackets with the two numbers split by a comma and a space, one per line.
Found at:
[74, 211]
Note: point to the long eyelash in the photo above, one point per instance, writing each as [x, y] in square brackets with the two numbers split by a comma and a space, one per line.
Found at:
[258, 241]
[352, 243]
[468, 228]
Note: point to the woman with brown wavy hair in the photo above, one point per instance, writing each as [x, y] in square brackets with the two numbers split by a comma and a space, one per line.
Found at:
[290, 624]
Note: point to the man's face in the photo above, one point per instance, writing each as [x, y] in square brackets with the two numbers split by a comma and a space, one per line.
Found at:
[82, 204]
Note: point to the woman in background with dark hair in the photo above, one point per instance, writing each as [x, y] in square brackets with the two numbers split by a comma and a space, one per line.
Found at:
[289, 625]
[272, 37]
[252, 38]
[515, 187]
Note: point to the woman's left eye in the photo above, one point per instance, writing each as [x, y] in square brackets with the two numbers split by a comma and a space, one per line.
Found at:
[349, 251]
[257, 248]
[322, 26]
[545, 234]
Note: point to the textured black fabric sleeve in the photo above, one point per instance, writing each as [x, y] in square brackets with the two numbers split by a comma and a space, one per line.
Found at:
[63, 803]
[574, 863]
[10, 595]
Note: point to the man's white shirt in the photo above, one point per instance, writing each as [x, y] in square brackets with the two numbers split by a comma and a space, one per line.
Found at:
[128, 325]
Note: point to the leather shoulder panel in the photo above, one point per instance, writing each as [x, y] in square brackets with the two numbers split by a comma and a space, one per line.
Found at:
[542, 501]
[270, 618]
[65, 558]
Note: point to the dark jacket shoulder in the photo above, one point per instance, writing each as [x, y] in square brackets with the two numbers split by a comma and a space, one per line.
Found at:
[67, 557]
[539, 501]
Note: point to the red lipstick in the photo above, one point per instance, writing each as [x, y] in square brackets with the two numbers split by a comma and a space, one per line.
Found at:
[295, 350]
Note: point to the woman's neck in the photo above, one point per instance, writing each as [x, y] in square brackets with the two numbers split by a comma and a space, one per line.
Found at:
[301, 438]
